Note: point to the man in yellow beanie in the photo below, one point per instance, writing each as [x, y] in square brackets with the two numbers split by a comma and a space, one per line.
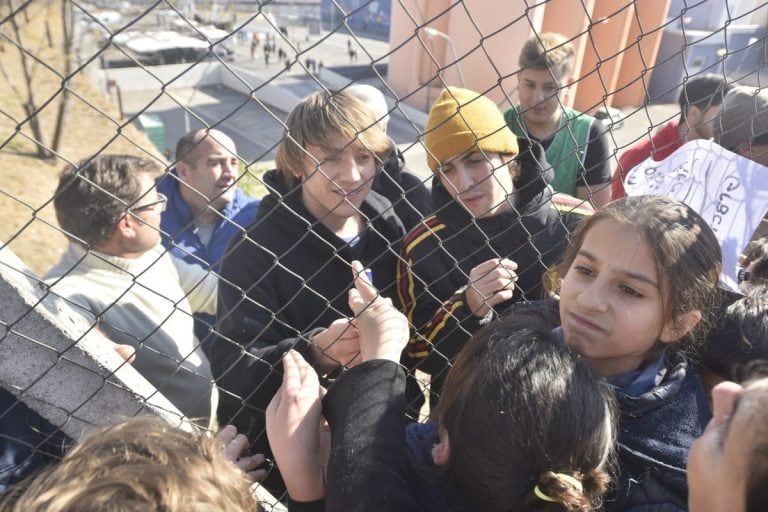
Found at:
[495, 232]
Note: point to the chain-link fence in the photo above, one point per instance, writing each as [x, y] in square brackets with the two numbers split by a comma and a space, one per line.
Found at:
[176, 279]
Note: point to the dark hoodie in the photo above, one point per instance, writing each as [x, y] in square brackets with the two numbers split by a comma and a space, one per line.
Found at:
[283, 281]
[407, 193]
[438, 256]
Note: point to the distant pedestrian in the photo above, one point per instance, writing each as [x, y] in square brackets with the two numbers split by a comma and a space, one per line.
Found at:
[319, 67]
[349, 45]
[352, 55]
[254, 45]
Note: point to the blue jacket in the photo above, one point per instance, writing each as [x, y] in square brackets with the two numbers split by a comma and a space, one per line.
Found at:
[180, 233]
[656, 430]
[658, 423]
[179, 236]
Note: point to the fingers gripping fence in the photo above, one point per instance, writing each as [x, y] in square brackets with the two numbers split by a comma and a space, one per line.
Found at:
[173, 281]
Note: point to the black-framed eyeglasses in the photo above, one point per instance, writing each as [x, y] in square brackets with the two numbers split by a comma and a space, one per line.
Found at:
[162, 201]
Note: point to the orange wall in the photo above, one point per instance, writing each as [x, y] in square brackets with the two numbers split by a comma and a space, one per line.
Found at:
[603, 55]
[641, 48]
[483, 39]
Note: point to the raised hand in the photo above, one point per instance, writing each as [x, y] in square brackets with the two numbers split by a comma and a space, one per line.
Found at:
[234, 446]
[293, 429]
[383, 329]
[337, 345]
[491, 282]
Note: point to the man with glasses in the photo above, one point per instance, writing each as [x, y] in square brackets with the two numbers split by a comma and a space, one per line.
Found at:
[116, 273]
[205, 206]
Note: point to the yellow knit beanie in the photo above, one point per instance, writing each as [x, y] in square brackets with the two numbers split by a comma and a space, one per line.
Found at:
[461, 119]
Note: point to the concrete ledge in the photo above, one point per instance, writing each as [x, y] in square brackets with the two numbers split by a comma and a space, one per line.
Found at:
[53, 360]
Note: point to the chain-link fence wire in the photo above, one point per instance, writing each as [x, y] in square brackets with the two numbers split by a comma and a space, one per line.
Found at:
[83, 81]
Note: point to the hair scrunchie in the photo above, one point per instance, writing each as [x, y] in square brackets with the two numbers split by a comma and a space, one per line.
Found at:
[567, 479]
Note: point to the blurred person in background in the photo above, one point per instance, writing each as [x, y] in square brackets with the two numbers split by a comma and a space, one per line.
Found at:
[700, 100]
[407, 192]
[575, 143]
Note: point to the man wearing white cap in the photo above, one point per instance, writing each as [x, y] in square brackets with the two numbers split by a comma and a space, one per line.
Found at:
[409, 196]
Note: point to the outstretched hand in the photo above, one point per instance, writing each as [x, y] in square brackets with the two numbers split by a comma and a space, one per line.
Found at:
[336, 346]
[383, 329]
[293, 429]
[234, 446]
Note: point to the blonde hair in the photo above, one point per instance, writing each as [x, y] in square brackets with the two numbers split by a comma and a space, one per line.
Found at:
[549, 51]
[321, 117]
[139, 464]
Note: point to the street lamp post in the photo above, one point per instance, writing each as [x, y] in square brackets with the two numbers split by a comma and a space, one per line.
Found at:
[431, 34]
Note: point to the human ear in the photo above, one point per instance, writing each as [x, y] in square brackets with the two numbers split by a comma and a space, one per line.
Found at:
[182, 170]
[514, 170]
[679, 326]
[693, 115]
[441, 452]
[564, 88]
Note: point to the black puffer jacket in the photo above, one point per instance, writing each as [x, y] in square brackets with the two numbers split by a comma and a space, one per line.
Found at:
[656, 431]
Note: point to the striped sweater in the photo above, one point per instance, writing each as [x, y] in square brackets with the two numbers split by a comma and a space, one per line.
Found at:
[438, 255]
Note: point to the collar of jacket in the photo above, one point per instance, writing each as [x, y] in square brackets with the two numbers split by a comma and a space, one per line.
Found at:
[284, 202]
[676, 371]
[169, 185]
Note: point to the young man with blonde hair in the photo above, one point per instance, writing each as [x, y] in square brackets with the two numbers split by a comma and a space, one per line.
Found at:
[575, 143]
[285, 281]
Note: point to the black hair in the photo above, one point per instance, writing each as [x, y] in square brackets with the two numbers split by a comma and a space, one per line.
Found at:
[702, 91]
[740, 335]
[519, 410]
